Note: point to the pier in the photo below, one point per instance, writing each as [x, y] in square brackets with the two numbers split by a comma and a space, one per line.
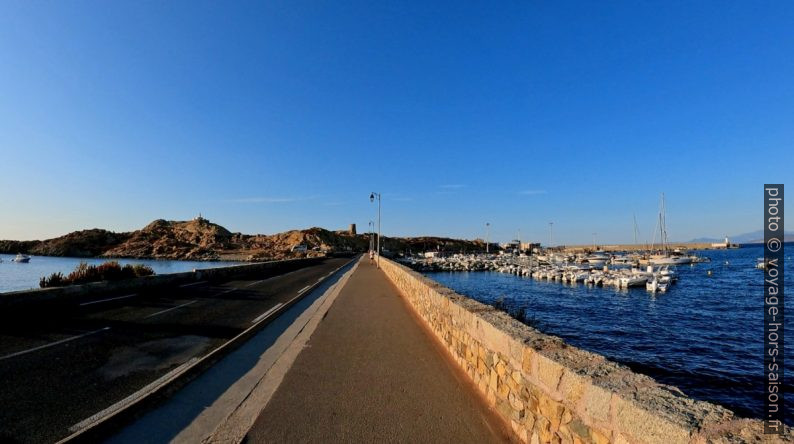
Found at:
[331, 351]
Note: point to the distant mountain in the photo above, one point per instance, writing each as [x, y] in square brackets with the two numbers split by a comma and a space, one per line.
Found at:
[745, 238]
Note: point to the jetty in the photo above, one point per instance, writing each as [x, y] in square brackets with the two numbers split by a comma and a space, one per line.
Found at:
[320, 350]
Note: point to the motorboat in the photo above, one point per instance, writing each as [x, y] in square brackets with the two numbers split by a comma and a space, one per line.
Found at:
[632, 281]
[21, 258]
[598, 259]
[669, 259]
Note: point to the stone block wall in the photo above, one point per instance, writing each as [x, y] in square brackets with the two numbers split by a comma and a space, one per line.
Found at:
[550, 392]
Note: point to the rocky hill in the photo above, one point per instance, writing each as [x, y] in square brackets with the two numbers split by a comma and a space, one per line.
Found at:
[200, 239]
[85, 243]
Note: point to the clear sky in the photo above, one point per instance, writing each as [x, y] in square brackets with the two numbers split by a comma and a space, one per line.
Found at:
[268, 116]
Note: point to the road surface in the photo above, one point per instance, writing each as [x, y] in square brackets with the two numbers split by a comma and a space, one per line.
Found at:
[57, 369]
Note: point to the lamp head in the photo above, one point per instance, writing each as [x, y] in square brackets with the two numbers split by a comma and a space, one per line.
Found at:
[372, 197]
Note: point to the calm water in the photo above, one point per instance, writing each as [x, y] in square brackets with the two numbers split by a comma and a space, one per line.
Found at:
[14, 276]
[704, 335]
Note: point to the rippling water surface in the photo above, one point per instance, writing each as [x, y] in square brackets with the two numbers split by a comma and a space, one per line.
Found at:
[704, 335]
[15, 276]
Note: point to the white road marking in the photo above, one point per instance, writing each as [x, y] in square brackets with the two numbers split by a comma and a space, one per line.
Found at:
[228, 291]
[232, 415]
[267, 313]
[192, 284]
[110, 299]
[254, 283]
[103, 415]
[304, 289]
[53, 343]
[169, 309]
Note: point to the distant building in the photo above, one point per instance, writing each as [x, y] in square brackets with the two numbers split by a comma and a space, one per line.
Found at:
[530, 246]
[353, 229]
[726, 244]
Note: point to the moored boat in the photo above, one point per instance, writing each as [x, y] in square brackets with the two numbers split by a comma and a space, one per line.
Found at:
[21, 258]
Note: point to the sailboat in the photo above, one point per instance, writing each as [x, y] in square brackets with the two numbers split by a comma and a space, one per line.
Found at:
[667, 257]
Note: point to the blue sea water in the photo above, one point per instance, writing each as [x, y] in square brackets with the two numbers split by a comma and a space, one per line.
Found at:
[705, 335]
[22, 276]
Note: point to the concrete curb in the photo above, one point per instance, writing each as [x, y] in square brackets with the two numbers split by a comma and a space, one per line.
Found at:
[103, 423]
[271, 371]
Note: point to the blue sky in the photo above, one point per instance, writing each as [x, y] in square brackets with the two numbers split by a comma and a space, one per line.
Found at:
[267, 116]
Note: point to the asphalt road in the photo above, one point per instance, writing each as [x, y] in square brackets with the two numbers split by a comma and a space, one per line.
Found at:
[56, 369]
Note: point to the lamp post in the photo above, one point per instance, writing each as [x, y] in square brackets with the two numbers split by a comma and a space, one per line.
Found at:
[551, 233]
[487, 233]
[372, 197]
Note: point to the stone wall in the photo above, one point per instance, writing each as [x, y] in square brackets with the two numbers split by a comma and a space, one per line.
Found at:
[552, 392]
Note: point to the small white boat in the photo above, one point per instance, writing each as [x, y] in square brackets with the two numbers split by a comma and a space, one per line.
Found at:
[21, 258]
[632, 281]
[669, 260]
[761, 265]
[652, 286]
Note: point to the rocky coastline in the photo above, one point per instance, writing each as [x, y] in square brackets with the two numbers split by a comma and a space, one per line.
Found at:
[199, 239]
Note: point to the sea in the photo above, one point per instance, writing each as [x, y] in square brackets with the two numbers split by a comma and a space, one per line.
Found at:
[704, 336]
[22, 276]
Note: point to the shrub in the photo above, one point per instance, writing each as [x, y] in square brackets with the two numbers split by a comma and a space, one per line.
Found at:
[55, 280]
[84, 273]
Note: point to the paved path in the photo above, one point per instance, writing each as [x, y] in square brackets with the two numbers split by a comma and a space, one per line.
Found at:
[372, 373]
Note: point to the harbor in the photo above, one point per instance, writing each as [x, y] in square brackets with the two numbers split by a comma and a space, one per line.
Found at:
[598, 269]
[699, 336]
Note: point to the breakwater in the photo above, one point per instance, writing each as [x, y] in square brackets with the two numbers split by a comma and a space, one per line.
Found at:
[549, 391]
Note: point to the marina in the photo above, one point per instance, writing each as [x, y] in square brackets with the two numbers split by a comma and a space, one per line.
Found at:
[597, 269]
[700, 336]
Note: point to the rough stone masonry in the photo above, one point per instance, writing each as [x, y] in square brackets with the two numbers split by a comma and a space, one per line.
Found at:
[550, 392]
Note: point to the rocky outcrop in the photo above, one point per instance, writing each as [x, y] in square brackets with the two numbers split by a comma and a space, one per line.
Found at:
[85, 243]
[200, 239]
[14, 247]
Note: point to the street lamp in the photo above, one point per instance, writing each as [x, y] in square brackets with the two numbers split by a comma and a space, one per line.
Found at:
[372, 197]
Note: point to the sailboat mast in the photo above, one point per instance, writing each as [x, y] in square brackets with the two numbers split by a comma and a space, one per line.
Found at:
[663, 225]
